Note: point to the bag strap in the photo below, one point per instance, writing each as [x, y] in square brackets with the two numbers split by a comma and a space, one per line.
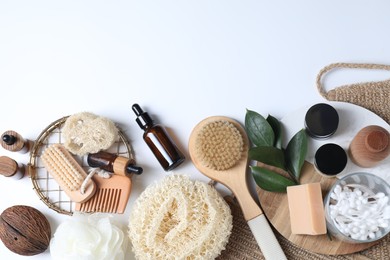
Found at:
[339, 65]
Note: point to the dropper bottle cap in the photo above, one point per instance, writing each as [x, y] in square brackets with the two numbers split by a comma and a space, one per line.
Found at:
[131, 168]
[9, 139]
[143, 118]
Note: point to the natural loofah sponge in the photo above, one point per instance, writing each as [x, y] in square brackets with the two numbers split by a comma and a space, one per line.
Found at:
[179, 219]
[88, 133]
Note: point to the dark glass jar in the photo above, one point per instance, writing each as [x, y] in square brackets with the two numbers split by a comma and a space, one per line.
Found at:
[330, 160]
[321, 121]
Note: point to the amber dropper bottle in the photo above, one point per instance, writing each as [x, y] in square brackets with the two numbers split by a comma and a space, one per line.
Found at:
[158, 140]
[113, 163]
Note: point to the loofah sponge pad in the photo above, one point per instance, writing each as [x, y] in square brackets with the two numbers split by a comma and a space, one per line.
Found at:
[88, 133]
[179, 219]
[219, 145]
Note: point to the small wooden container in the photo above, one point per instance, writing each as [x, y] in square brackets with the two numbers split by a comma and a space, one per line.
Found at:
[14, 142]
[370, 146]
[10, 168]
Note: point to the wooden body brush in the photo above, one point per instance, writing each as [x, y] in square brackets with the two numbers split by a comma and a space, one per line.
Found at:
[218, 147]
[67, 172]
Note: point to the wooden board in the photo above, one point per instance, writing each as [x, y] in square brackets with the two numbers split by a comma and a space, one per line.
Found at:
[275, 206]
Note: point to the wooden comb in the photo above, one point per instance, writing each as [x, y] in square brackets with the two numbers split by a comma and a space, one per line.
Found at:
[111, 195]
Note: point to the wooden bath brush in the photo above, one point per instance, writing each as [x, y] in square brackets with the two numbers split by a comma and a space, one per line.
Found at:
[218, 147]
[67, 172]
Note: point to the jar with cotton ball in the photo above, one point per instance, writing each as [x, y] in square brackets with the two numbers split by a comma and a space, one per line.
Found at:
[357, 208]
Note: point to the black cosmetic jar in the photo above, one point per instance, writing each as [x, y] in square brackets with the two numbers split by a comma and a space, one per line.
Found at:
[330, 160]
[321, 121]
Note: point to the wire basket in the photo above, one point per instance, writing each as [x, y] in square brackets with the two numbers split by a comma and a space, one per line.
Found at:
[44, 184]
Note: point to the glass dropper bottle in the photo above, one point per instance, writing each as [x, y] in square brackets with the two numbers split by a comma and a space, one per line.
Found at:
[158, 140]
[113, 163]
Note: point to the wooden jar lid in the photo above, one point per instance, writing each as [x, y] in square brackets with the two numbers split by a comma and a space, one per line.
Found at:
[8, 166]
[19, 145]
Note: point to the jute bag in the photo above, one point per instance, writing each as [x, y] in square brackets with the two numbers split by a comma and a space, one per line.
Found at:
[374, 95]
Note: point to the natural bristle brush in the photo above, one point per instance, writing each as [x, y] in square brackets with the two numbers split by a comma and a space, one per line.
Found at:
[67, 172]
[218, 147]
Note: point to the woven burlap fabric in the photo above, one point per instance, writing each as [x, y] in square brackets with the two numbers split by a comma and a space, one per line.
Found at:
[373, 95]
[242, 245]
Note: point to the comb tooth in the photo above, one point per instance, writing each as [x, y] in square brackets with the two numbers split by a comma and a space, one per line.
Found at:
[95, 202]
[100, 202]
[118, 201]
[115, 200]
[112, 201]
[108, 201]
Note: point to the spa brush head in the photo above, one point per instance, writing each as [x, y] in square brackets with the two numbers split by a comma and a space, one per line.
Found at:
[218, 147]
[67, 172]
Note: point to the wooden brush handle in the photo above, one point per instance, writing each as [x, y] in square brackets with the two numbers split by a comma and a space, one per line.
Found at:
[249, 207]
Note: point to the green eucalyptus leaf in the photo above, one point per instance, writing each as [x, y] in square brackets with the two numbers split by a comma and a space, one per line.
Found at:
[269, 180]
[277, 128]
[268, 155]
[296, 152]
[258, 129]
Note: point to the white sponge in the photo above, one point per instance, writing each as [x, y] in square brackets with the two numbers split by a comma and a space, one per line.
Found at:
[179, 219]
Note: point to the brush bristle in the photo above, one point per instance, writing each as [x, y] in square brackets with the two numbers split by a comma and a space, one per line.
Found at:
[219, 145]
[62, 166]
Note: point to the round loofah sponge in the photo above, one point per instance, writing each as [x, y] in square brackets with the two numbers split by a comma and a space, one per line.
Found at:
[88, 133]
[179, 219]
[219, 145]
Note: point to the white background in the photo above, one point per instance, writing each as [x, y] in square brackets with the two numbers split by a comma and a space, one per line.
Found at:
[180, 60]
